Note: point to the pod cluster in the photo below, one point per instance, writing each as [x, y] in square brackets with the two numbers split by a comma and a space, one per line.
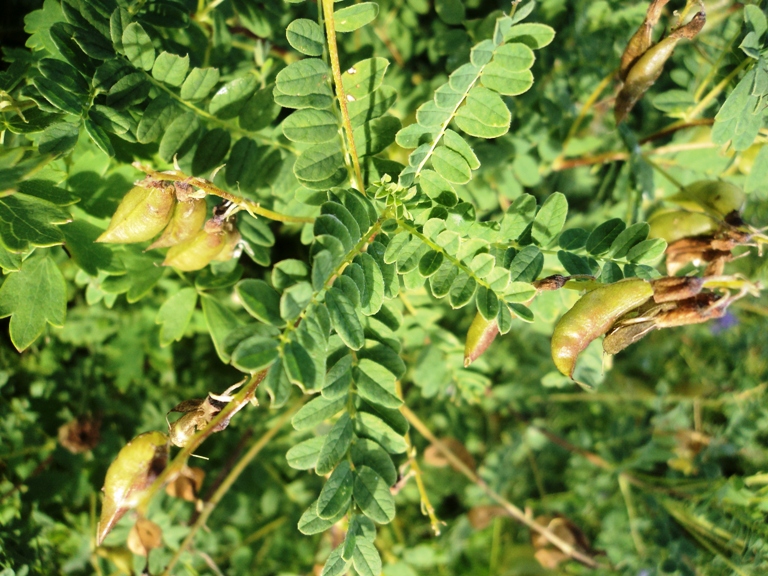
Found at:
[628, 310]
[642, 61]
[704, 228]
[177, 213]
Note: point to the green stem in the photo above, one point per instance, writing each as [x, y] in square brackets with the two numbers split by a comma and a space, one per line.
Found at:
[333, 52]
[511, 509]
[224, 487]
[252, 208]
[356, 249]
[716, 90]
[219, 122]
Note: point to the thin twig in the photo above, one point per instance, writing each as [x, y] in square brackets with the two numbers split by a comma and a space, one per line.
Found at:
[618, 156]
[333, 52]
[243, 396]
[426, 506]
[513, 510]
[211, 188]
[226, 484]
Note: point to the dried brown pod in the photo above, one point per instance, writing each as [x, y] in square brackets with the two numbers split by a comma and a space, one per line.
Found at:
[434, 457]
[80, 435]
[142, 214]
[674, 288]
[144, 536]
[480, 517]
[187, 484]
[647, 69]
[197, 414]
[642, 39]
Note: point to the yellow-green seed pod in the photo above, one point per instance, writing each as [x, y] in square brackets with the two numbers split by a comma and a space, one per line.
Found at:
[129, 476]
[188, 217]
[197, 252]
[673, 225]
[230, 249]
[480, 335]
[141, 215]
[592, 316]
[713, 196]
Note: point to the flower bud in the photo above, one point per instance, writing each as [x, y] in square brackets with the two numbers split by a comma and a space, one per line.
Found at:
[141, 215]
[129, 476]
[198, 251]
[188, 217]
[479, 336]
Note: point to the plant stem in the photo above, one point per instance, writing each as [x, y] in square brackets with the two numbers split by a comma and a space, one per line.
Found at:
[252, 208]
[173, 468]
[716, 90]
[426, 506]
[513, 510]
[226, 484]
[333, 52]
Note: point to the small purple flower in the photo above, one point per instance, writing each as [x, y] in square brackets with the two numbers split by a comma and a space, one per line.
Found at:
[724, 323]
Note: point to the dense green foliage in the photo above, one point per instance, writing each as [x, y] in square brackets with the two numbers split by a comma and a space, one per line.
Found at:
[394, 169]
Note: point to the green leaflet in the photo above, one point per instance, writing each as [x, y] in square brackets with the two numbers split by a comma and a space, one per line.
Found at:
[303, 456]
[337, 492]
[311, 126]
[356, 16]
[137, 46]
[364, 77]
[39, 276]
[170, 68]
[344, 318]
[306, 36]
[199, 83]
[230, 99]
[336, 444]
[261, 301]
[211, 150]
[372, 427]
[220, 321]
[156, 118]
[376, 384]
[373, 497]
[30, 221]
[175, 314]
[368, 453]
[533, 35]
[366, 558]
[315, 411]
[601, 239]
[550, 219]
[254, 354]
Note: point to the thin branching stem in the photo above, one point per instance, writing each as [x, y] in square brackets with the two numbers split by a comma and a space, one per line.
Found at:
[174, 467]
[333, 53]
[253, 208]
[511, 509]
[227, 483]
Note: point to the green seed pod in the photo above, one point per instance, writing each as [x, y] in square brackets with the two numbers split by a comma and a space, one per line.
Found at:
[129, 476]
[674, 225]
[230, 249]
[479, 336]
[141, 215]
[198, 251]
[592, 316]
[647, 69]
[714, 196]
[188, 217]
